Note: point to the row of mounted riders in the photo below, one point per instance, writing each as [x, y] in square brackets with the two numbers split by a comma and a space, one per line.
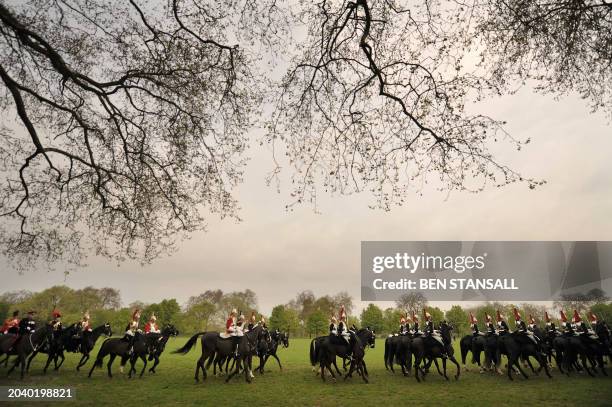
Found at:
[24, 340]
[575, 347]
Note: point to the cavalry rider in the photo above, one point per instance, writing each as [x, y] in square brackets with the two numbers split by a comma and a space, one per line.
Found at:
[430, 331]
[502, 325]
[582, 328]
[333, 326]
[490, 325]
[415, 327]
[577, 321]
[151, 327]
[521, 328]
[403, 329]
[11, 325]
[56, 322]
[568, 330]
[85, 323]
[239, 331]
[532, 323]
[132, 329]
[343, 330]
[262, 322]
[550, 325]
[230, 323]
[27, 325]
[474, 325]
[252, 321]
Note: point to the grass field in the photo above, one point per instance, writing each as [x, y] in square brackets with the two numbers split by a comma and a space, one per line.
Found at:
[297, 385]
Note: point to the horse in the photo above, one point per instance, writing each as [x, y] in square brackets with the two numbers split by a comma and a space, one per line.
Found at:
[475, 344]
[65, 341]
[26, 344]
[332, 345]
[247, 347]
[151, 344]
[214, 349]
[515, 346]
[269, 348]
[426, 347]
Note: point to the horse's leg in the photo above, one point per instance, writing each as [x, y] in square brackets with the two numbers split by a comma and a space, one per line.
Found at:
[155, 363]
[61, 355]
[278, 360]
[520, 369]
[456, 362]
[110, 364]
[444, 367]
[336, 366]
[83, 360]
[30, 359]
[199, 364]
[22, 360]
[49, 359]
[322, 366]
[528, 361]
[350, 372]
[586, 366]
[15, 364]
[438, 367]
[144, 361]
[235, 370]
[417, 362]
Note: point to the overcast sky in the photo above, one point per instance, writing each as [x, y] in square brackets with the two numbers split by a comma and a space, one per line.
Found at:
[278, 253]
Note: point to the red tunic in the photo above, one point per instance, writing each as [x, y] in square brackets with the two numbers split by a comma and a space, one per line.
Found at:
[150, 327]
[228, 324]
[8, 324]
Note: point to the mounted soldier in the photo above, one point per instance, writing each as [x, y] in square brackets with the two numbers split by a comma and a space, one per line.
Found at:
[521, 328]
[333, 326]
[132, 329]
[403, 328]
[230, 323]
[151, 327]
[429, 328]
[343, 330]
[11, 325]
[27, 325]
[239, 330]
[474, 325]
[490, 325]
[502, 325]
[56, 323]
[415, 327]
[568, 330]
[252, 321]
[532, 323]
[550, 325]
[262, 322]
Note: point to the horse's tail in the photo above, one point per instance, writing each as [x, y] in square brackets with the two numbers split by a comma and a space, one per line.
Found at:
[313, 352]
[187, 347]
[464, 350]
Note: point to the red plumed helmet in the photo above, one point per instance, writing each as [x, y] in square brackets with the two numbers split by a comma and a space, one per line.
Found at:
[489, 319]
[592, 318]
[473, 319]
[563, 316]
[546, 317]
[576, 318]
[531, 319]
[499, 316]
[56, 313]
[517, 316]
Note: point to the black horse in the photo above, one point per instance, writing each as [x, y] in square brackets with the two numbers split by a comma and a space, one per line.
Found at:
[149, 347]
[216, 349]
[69, 340]
[428, 348]
[26, 344]
[331, 346]
[516, 345]
[267, 348]
[476, 345]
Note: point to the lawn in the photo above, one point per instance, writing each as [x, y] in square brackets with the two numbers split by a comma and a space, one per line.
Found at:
[297, 385]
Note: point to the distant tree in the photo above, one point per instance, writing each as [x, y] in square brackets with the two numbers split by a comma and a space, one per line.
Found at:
[391, 318]
[284, 319]
[197, 315]
[581, 302]
[16, 297]
[343, 298]
[317, 323]
[458, 318]
[437, 315]
[412, 302]
[603, 312]
[110, 298]
[326, 305]
[372, 316]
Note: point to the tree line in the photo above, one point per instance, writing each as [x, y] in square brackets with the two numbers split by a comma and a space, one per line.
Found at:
[306, 315]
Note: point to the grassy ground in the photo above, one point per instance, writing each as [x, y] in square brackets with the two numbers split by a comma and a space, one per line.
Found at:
[297, 385]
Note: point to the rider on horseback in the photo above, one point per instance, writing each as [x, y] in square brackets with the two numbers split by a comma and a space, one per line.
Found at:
[502, 325]
[132, 329]
[27, 325]
[474, 325]
[521, 328]
[532, 323]
[550, 325]
[252, 321]
[11, 325]
[56, 323]
[429, 328]
[490, 325]
[343, 330]
[333, 326]
[568, 329]
[415, 327]
[582, 328]
[151, 327]
[403, 328]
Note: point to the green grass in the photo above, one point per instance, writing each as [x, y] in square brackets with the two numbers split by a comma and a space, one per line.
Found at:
[297, 385]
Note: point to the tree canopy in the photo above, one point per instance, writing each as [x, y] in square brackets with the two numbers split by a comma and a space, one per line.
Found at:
[132, 118]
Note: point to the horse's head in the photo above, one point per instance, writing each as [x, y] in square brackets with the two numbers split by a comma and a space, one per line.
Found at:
[107, 330]
[284, 338]
[170, 330]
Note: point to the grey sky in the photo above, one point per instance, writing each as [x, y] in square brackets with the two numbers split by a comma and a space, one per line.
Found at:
[278, 253]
